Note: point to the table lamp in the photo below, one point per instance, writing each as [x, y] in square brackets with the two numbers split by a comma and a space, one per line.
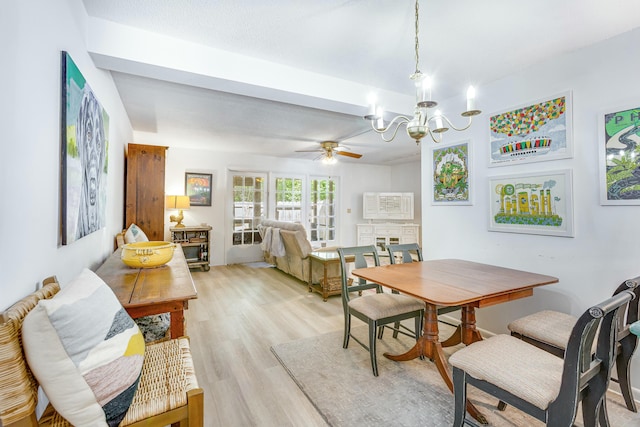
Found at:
[178, 202]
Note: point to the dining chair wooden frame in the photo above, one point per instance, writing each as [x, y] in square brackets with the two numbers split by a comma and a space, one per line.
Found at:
[583, 377]
[534, 330]
[376, 310]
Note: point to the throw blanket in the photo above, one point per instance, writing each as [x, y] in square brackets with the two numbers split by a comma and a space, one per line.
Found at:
[272, 243]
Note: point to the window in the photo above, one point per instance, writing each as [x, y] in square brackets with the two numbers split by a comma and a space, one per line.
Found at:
[322, 209]
[288, 199]
[248, 207]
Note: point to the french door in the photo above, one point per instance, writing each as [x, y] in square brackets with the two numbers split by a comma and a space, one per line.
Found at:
[323, 197]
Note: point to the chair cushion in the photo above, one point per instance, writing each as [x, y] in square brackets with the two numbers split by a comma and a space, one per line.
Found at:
[85, 351]
[547, 326]
[379, 306]
[135, 234]
[522, 369]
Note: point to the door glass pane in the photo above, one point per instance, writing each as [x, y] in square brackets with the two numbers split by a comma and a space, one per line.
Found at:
[248, 206]
[322, 225]
[288, 199]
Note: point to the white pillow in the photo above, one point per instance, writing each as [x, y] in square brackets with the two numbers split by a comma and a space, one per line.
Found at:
[85, 351]
[135, 234]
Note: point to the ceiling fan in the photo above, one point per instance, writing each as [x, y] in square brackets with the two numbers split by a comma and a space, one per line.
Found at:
[329, 150]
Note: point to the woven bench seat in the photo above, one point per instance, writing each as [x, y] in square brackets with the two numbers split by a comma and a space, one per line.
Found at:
[168, 391]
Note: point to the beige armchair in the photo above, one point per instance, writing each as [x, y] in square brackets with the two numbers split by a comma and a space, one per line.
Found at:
[286, 246]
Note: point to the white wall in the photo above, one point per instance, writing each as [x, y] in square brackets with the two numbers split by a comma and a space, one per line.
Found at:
[354, 179]
[605, 249]
[406, 178]
[34, 32]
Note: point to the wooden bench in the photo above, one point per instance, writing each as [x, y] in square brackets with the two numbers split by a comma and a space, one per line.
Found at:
[168, 392]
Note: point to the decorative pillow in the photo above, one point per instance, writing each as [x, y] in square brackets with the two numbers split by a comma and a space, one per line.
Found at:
[135, 234]
[86, 352]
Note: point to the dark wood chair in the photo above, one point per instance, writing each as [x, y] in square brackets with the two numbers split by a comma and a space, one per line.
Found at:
[377, 309]
[539, 383]
[550, 331]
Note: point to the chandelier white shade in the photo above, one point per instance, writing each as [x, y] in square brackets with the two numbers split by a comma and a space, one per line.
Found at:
[424, 121]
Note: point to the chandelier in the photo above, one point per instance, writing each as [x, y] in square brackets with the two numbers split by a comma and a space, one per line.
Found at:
[423, 122]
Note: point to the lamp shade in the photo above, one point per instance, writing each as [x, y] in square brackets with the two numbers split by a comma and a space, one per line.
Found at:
[178, 202]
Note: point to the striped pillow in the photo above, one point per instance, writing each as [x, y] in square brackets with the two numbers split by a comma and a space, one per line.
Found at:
[86, 352]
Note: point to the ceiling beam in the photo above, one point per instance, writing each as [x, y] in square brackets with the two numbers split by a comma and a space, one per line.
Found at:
[130, 50]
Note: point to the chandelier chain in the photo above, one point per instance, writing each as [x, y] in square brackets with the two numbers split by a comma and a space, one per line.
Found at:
[417, 41]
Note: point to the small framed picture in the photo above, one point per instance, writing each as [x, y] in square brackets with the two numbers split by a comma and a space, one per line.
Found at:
[619, 139]
[532, 203]
[451, 176]
[198, 187]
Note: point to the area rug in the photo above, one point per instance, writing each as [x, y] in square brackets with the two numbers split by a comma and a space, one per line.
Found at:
[341, 386]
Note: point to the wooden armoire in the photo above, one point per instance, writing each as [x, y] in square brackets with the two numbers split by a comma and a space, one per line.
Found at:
[144, 189]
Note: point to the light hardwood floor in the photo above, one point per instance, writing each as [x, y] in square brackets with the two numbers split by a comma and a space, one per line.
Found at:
[240, 312]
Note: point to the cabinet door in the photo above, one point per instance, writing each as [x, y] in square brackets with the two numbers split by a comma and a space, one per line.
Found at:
[144, 198]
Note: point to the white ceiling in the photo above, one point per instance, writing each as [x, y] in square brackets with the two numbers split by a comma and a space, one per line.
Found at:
[366, 42]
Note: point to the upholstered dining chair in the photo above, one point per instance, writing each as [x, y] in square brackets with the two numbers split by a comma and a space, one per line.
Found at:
[378, 309]
[550, 330]
[545, 386]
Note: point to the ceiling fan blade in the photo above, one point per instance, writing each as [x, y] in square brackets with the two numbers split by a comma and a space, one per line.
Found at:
[348, 154]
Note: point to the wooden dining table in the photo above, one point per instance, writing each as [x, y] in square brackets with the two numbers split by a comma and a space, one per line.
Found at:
[452, 282]
[147, 291]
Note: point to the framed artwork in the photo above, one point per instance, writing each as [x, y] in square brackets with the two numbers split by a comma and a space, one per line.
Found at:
[619, 152]
[532, 203]
[532, 132]
[84, 147]
[451, 177]
[198, 187]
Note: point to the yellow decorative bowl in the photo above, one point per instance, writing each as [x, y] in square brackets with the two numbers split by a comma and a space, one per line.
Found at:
[147, 254]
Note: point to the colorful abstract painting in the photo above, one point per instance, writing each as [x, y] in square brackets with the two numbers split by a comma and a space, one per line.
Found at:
[532, 132]
[534, 203]
[198, 187]
[451, 180]
[84, 142]
[620, 157]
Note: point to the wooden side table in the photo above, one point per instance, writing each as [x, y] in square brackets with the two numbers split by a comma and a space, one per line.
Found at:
[196, 244]
[328, 285]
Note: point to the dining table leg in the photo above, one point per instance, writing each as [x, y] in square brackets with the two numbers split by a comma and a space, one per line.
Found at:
[429, 345]
[466, 331]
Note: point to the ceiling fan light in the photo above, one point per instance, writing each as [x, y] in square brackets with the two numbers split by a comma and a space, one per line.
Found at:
[329, 160]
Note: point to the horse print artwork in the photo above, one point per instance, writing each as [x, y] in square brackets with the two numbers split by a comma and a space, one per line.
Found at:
[85, 129]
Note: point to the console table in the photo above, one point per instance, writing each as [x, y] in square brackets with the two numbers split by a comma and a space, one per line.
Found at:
[147, 291]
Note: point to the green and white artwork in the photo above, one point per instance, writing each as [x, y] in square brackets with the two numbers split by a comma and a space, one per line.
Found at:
[534, 203]
[451, 177]
[620, 157]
